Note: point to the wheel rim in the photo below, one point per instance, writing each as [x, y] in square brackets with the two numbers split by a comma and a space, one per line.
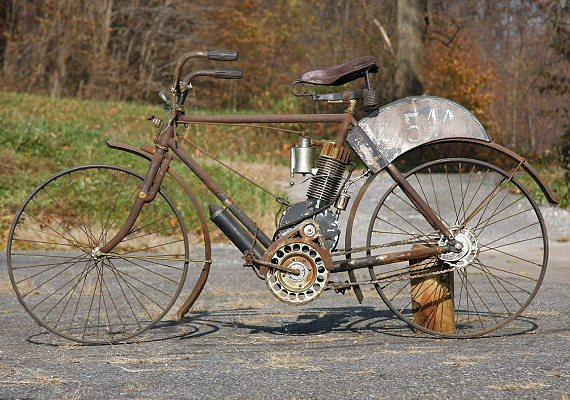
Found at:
[489, 289]
[58, 275]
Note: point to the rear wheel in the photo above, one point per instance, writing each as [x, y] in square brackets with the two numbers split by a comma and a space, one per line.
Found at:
[503, 258]
[73, 291]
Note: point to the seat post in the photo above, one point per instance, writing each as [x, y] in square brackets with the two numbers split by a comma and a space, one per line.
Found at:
[343, 129]
[367, 81]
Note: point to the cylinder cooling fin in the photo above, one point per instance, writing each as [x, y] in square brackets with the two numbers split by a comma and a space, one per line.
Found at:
[325, 184]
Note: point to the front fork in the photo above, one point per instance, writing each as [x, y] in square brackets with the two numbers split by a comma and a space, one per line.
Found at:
[160, 162]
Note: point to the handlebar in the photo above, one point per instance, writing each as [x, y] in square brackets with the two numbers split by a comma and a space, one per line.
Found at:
[228, 73]
[222, 55]
[214, 55]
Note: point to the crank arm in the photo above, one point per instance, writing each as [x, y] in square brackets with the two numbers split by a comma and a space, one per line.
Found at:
[276, 266]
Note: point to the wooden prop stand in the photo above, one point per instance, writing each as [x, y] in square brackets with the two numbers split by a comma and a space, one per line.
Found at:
[432, 296]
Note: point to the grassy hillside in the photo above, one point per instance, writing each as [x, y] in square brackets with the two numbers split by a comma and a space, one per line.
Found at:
[41, 136]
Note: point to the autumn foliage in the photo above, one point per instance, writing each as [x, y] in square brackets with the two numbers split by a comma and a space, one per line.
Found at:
[456, 71]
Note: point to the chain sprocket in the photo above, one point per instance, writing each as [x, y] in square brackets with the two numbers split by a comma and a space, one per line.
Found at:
[301, 249]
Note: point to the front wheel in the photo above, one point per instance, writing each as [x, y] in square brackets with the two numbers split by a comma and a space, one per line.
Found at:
[70, 289]
[503, 258]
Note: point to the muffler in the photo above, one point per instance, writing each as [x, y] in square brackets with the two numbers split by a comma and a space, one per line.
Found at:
[235, 231]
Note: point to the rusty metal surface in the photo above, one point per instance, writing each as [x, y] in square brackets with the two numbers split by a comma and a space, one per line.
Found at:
[298, 235]
[388, 258]
[193, 296]
[430, 216]
[280, 118]
[343, 128]
[408, 123]
[302, 248]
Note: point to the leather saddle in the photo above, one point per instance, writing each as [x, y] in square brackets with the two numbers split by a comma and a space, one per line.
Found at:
[340, 74]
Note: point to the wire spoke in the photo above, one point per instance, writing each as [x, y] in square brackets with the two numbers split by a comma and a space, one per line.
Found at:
[124, 294]
[61, 287]
[501, 279]
[118, 274]
[508, 254]
[451, 192]
[149, 270]
[73, 261]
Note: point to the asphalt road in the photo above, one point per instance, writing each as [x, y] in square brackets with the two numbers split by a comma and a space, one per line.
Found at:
[241, 343]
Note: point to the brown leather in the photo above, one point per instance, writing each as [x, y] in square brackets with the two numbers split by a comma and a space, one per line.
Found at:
[340, 74]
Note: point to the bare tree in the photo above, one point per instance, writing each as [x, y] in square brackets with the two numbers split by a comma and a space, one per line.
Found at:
[411, 25]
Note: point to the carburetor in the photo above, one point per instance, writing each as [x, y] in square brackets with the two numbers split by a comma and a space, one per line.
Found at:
[303, 157]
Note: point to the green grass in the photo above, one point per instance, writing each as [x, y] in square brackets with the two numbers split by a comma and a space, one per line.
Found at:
[557, 180]
[41, 136]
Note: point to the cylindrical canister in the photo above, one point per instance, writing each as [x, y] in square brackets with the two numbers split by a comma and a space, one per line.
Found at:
[302, 157]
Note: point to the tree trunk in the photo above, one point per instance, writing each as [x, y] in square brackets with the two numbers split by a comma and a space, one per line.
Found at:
[412, 25]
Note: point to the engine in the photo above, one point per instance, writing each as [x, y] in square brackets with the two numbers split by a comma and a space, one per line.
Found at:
[323, 189]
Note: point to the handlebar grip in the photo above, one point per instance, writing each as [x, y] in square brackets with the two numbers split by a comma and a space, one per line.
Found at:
[222, 55]
[228, 73]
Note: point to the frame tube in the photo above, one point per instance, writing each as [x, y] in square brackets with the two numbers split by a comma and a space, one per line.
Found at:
[388, 258]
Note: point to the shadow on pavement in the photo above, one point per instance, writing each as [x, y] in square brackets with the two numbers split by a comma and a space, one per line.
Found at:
[320, 321]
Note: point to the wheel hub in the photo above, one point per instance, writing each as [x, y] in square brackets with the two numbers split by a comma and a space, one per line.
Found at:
[467, 245]
[95, 253]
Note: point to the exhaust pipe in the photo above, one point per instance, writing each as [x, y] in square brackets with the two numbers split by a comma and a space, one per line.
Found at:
[235, 231]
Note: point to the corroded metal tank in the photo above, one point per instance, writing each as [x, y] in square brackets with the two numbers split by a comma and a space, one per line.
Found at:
[405, 124]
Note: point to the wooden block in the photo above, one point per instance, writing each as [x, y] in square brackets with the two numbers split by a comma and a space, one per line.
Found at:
[432, 297]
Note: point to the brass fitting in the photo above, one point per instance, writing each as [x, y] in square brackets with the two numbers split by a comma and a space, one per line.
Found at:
[341, 154]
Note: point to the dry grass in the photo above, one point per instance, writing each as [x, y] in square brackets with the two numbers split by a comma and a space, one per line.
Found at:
[24, 287]
[6, 287]
[517, 386]
[290, 360]
[563, 239]
[147, 359]
[28, 376]
[136, 387]
[463, 361]
[559, 374]
[411, 350]
[530, 313]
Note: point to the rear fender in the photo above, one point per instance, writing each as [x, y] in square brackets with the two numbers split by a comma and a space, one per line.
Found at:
[394, 130]
[550, 196]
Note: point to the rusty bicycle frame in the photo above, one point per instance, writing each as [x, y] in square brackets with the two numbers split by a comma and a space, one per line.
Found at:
[167, 140]
[297, 260]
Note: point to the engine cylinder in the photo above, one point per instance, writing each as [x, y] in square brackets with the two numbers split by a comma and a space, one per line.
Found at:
[325, 184]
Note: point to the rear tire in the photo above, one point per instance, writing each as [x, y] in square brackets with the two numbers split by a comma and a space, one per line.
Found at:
[493, 285]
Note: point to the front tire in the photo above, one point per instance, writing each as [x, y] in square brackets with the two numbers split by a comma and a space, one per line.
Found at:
[73, 292]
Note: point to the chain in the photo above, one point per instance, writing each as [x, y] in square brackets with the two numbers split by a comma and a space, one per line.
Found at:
[405, 276]
[278, 199]
[412, 240]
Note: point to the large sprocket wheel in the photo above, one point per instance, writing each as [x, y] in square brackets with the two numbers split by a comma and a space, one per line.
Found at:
[504, 249]
[311, 281]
